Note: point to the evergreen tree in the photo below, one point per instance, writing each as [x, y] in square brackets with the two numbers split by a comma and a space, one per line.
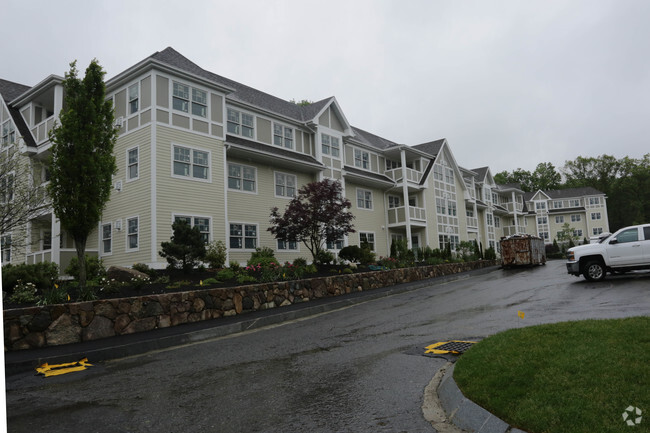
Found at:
[186, 247]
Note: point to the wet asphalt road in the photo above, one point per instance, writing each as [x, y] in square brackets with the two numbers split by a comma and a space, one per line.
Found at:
[358, 369]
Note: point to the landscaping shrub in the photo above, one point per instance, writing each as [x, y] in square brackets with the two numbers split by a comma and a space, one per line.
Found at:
[94, 268]
[215, 254]
[24, 293]
[226, 274]
[490, 254]
[42, 275]
[141, 267]
[186, 247]
[367, 256]
[466, 251]
[300, 262]
[56, 295]
[351, 253]
[263, 257]
[324, 257]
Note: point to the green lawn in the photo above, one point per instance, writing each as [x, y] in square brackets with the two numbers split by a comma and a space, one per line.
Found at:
[567, 377]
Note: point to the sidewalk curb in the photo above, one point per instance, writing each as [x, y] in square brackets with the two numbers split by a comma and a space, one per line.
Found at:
[164, 338]
[466, 414]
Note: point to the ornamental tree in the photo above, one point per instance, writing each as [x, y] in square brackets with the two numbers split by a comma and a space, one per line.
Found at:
[82, 157]
[186, 248]
[317, 215]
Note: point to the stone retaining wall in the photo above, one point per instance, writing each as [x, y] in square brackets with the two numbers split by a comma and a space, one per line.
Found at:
[53, 325]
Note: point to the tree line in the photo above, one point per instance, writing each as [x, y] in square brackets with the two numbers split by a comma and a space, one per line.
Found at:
[625, 182]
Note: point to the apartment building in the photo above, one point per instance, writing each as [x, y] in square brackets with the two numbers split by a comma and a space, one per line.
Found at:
[218, 154]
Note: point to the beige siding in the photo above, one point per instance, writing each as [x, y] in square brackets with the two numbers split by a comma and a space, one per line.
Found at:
[133, 123]
[369, 220]
[26, 115]
[217, 130]
[264, 130]
[324, 119]
[162, 116]
[181, 196]
[145, 92]
[249, 208]
[217, 107]
[200, 126]
[335, 122]
[120, 103]
[145, 117]
[162, 92]
[299, 141]
[181, 121]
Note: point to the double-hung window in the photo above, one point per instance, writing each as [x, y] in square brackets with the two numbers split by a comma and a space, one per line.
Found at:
[8, 133]
[576, 218]
[285, 185]
[393, 201]
[559, 219]
[542, 220]
[361, 159]
[597, 230]
[364, 199]
[132, 164]
[437, 172]
[287, 245]
[574, 203]
[240, 123]
[595, 215]
[134, 98]
[241, 177]
[6, 249]
[201, 223]
[7, 188]
[540, 205]
[451, 208]
[335, 245]
[191, 163]
[181, 100]
[132, 233]
[107, 238]
[366, 238]
[330, 145]
[243, 236]
[594, 200]
[282, 136]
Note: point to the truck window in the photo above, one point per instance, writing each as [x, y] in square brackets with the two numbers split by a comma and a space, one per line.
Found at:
[630, 235]
[646, 233]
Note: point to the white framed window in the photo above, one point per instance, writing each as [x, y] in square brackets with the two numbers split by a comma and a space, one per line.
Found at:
[440, 206]
[361, 159]
[576, 218]
[437, 172]
[132, 164]
[134, 98]
[391, 165]
[542, 220]
[243, 236]
[367, 238]
[557, 204]
[7, 188]
[242, 177]
[330, 145]
[497, 222]
[8, 133]
[285, 185]
[46, 240]
[574, 203]
[202, 223]
[393, 201]
[282, 136]
[540, 205]
[241, 123]
[181, 99]
[597, 230]
[490, 220]
[469, 213]
[287, 245]
[191, 163]
[107, 239]
[6, 248]
[336, 245]
[577, 233]
[544, 235]
[132, 233]
[559, 219]
[364, 199]
[449, 175]
[595, 216]
[413, 201]
[451, 207]
[594, 200]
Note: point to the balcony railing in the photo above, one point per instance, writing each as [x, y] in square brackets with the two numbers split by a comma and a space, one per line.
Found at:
[472, 222]
[411, 175]
[41, 131]
[513, 206]
[397, 215]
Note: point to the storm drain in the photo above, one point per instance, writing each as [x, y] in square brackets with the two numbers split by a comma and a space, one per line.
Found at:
[455, 347]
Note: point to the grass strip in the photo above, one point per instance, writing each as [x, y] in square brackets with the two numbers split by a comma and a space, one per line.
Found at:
[568, 377]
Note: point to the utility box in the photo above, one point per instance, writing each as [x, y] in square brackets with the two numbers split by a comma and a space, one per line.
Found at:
[522, 250]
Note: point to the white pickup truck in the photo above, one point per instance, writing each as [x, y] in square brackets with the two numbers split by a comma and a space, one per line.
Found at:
[626, 250]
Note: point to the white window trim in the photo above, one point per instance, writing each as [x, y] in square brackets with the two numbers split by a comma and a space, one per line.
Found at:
[242, 190]
[189, 106]
[273, 135]
[244, 224]
[190, 178]
[10, 249]
[246, 137]
[126, 234]
[275, 184]
[287, 250]
[112, 238]
[372, 199]
[362, 152]
[332, 134]
[374, 236]
[192, 216]
[129, 179]
[128, 99]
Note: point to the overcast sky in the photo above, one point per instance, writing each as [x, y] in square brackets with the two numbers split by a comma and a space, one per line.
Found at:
[510, 84]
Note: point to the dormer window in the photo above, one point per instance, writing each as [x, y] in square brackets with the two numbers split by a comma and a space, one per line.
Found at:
[282, 136]
[134, 93]
[361, 159]
[330, 145]
[240, 123]
[181, 100]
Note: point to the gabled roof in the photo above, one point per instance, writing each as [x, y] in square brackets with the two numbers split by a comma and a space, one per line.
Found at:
[480, 173]
[10, 90]
[372, 140]
[565, 193]
[432, 147]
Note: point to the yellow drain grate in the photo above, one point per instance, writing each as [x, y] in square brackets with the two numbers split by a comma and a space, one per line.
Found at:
[454, 346]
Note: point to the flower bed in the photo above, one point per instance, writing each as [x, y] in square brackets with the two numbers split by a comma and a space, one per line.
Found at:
[52, 325]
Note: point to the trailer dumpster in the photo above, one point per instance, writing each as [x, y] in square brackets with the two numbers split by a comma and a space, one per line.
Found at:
[522, 250]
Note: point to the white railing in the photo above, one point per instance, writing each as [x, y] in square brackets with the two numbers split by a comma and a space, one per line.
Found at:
[411, 175]
[472, 222]
[41, 131]
[514, 206]
[397, 215]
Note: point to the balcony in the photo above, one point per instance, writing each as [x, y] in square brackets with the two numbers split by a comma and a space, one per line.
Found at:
[513, 230]
[41, 131]
[519, 207]
[397, 215]
[472, 222]
[413, 176]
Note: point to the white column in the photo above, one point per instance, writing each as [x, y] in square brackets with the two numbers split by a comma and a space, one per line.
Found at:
[56, 240]
[405, 193]
[514, 208]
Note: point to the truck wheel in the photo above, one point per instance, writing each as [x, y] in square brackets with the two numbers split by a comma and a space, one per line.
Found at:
[594, 271]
